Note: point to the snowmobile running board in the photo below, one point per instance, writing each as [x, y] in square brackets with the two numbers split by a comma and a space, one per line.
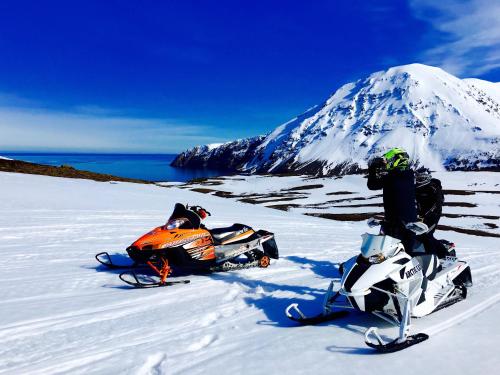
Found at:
[232, 266]
[393, 346]
[138, 284]
[109, 263]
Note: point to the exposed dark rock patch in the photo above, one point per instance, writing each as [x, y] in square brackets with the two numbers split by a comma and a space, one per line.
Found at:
[469, 192]
[457, 192]
[219, 193]
[346, 217]
[473, 232]
[259, 201]
[340, 193]
[361, 205]
[332, 203]
[225, 194]
[305, 187]
[459, 204]
[206, 181]
[456, 216]
[203, 190]
[284, 207]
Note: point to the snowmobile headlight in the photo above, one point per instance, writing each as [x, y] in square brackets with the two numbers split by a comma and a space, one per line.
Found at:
[175, 223]
[374, 259]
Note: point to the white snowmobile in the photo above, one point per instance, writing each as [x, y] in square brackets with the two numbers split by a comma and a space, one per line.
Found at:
[388, 282]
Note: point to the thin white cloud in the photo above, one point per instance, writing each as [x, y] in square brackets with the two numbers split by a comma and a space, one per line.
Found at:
[94, 130]
[469, 31]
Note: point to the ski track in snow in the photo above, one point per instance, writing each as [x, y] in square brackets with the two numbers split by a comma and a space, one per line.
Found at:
[62, 313]
[155, 365]
[467, 314]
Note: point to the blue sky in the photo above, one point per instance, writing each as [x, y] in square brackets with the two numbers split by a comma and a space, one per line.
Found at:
[162, 76]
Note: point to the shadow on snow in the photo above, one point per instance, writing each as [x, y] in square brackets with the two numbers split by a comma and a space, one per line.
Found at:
[310, 300]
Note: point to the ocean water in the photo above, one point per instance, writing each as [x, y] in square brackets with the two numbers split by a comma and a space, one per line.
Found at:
[151, 167]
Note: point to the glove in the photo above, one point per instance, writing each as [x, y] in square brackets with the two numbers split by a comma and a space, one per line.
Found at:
[377, 163]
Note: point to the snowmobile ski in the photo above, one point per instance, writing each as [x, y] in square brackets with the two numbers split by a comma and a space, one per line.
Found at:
[395, 345]
[318, 319]
[325, 316]
[301, 318]
[105, 259]
[135, 282]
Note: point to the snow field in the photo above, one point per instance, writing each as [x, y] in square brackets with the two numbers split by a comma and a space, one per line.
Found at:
[62, 313]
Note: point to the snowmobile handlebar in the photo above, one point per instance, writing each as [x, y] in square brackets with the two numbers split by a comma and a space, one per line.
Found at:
[200, 211]
[417, 227]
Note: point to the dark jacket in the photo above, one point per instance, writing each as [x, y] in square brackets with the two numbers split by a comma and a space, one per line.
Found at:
[400, 206]
[406, 201]
[398, 192]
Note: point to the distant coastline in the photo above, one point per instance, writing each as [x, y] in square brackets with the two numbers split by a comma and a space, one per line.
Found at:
[145, 167]
[18, 166]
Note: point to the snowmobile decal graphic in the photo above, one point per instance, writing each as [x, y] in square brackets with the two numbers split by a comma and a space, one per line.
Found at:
[413, 271]
[183, 241]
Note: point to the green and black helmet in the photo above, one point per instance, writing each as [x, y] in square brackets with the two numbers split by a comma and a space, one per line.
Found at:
[397, 158]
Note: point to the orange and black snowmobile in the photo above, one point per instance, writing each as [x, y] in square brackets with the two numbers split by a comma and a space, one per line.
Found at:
[184, 244]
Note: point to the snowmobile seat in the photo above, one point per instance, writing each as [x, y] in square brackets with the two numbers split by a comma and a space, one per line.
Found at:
[223, 234]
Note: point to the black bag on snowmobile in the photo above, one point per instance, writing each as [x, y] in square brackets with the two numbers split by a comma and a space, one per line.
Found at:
[430, 199]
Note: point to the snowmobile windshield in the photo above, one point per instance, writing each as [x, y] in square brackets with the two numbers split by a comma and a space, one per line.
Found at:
[176, 223]
[377, 248]
[192, 220]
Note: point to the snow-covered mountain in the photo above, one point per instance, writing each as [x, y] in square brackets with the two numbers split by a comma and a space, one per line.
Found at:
[230, 155]
[441, 120]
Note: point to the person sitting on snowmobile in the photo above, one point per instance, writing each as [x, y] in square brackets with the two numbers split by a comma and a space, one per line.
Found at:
[393, 174]
[408, 197]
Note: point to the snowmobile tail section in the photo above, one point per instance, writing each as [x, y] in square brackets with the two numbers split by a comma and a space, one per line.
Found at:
[269, 244]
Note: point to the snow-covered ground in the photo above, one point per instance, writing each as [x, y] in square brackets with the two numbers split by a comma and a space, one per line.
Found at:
[61, 313]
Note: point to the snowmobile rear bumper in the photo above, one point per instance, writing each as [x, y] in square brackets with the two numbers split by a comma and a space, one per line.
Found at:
[269, 246]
